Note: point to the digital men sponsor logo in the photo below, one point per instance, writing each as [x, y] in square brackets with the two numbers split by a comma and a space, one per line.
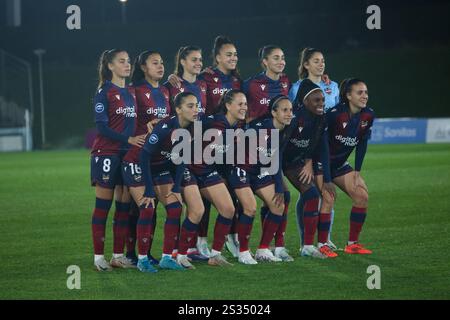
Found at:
[160, 112]
[347, 141]
[300, 143]
[128, 112]
[221, 92]
[99, 107]
[264, 101]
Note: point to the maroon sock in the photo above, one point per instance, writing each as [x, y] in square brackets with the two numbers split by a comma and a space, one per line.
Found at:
[144, 228]
[310, 220]
[171, 227]
[188, 231]
[324, 226]
[120, 226]
[221, 230]
[244, 229]
[99, 217]
[270, 227]
[357, 218]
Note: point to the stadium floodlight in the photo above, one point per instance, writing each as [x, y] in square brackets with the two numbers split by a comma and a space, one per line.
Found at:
[124, 11]
[39, 53]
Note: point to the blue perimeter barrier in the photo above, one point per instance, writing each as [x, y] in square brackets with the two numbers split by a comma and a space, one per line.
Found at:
[410, 130]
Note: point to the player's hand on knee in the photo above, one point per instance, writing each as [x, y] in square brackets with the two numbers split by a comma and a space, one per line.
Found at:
[177, 195]
[330, 189]
[278, 199]
[146, 201]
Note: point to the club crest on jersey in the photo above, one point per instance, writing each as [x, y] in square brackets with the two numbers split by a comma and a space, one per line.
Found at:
[147, 95]
[328, 90]
[138, 178]
[203, 89]
[117, 97]
[284, 85]
[263, 86]
[105, 177]
[216, 79]
[99, 107]
[181, 89]
[344, 124]
[153, 139]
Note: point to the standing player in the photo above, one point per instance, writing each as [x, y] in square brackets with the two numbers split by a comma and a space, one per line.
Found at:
[115, 118]
[312, 66]
[162, 178]
[268, 84]
[152, 106]
[349, 127]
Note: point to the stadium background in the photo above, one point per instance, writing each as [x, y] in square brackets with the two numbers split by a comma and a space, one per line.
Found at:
[46, 201]
[405, 63]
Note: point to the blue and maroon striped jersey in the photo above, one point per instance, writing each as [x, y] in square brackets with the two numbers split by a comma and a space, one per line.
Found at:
[346, 131]
[152, 103]
[217, 84]
[115, 107]
[260, 89]
[304, 136]
[198, 88]
[159, 143]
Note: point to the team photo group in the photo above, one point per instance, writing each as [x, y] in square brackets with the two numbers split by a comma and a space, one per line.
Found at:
[308, 127]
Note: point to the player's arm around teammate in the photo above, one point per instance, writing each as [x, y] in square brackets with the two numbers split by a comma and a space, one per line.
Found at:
[115, 119]
[349, 126]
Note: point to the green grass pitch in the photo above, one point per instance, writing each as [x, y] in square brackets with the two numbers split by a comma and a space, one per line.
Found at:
[46, 204]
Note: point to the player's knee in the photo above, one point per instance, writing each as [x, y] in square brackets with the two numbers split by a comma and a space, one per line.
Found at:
[249, 209]
[278, 210]
[227, 210]
[196, 212]
[361, 198]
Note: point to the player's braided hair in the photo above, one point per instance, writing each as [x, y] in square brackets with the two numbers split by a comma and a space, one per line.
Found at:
[182, 54]
[305, 56]
[137, 74]
[219, 42]
[103, 71]
[346, 87]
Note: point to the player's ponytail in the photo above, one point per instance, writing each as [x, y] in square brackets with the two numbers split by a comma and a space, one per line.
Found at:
[264, 53]
[305, 55]
[346, 87]
[227, 98]
[137, 74]
[182, 54]
[103, 71]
